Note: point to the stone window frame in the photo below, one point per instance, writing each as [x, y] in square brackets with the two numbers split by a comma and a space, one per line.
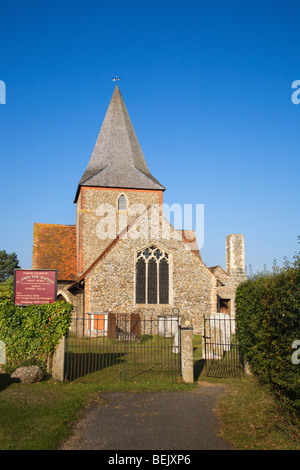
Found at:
[170, 262]
[64, 295]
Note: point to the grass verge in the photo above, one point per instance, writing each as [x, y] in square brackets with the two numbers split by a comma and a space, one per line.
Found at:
[38, 416]
[252, 419]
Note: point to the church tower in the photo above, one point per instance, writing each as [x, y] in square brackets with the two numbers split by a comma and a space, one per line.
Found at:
[115, 186]
[122, 255]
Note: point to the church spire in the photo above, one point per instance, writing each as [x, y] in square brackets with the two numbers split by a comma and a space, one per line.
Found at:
[117, 160]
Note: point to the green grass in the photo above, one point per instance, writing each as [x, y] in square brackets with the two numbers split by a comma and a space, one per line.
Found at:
[102, 359]
[252, 419]
[39, 416]
[36, 416]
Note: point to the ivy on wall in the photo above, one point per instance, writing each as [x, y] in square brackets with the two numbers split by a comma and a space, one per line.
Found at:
[31, 334]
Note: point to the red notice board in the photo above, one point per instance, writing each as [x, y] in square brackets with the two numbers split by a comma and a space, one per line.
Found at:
[35, 287]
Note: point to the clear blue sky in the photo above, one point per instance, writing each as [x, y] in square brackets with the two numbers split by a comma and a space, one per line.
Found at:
[207, 86]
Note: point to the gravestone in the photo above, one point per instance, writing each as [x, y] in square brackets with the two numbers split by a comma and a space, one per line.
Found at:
[167, 325]
[218, 336]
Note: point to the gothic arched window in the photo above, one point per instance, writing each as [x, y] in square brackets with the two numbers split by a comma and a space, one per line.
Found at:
[122, 203]
[152, 276]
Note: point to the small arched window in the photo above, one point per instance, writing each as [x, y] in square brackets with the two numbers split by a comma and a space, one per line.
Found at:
[122, 203]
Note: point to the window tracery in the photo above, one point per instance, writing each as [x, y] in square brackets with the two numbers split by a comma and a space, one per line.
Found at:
[152, 276]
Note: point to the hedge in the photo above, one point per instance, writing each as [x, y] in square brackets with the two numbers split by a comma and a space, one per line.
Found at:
[32, 333]
[6, 291]
[268, 319]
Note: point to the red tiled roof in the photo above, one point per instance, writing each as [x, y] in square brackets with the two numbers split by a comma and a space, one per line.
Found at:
[54, 247]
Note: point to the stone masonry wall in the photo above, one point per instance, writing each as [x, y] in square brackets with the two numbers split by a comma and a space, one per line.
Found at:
[235, 269]
[96, 228]
[111, 284]
[235, 255]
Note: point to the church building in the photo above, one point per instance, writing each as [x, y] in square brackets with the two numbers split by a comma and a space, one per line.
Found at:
[122, 255]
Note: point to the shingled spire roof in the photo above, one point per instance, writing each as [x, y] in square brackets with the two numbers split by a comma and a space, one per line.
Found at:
[117, 160]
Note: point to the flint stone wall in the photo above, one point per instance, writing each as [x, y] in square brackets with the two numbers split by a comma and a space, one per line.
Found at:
[90, 216]
[110, 286]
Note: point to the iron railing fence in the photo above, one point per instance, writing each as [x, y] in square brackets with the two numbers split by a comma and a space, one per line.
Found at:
[118, 347]
[221, 348]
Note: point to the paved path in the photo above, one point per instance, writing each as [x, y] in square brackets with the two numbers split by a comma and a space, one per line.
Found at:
[150, 421]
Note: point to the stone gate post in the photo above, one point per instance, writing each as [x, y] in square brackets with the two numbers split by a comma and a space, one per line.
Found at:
[58, 361]
[186, 339]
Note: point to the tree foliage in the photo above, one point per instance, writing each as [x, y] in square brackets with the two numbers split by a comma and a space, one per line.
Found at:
[8, 263]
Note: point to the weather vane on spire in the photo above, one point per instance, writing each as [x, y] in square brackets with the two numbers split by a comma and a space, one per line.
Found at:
[116, 79]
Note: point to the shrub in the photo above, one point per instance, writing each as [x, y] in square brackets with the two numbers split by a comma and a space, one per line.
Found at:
[32, 333]
[7, 291]
[268, 316]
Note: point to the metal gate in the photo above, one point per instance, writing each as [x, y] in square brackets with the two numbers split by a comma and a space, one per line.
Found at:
[117, 347]
[220, 347]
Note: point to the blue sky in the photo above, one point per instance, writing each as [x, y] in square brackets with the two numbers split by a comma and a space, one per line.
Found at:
[207, 86]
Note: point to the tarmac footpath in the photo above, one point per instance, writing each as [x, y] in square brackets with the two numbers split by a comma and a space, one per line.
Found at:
[150, 421]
